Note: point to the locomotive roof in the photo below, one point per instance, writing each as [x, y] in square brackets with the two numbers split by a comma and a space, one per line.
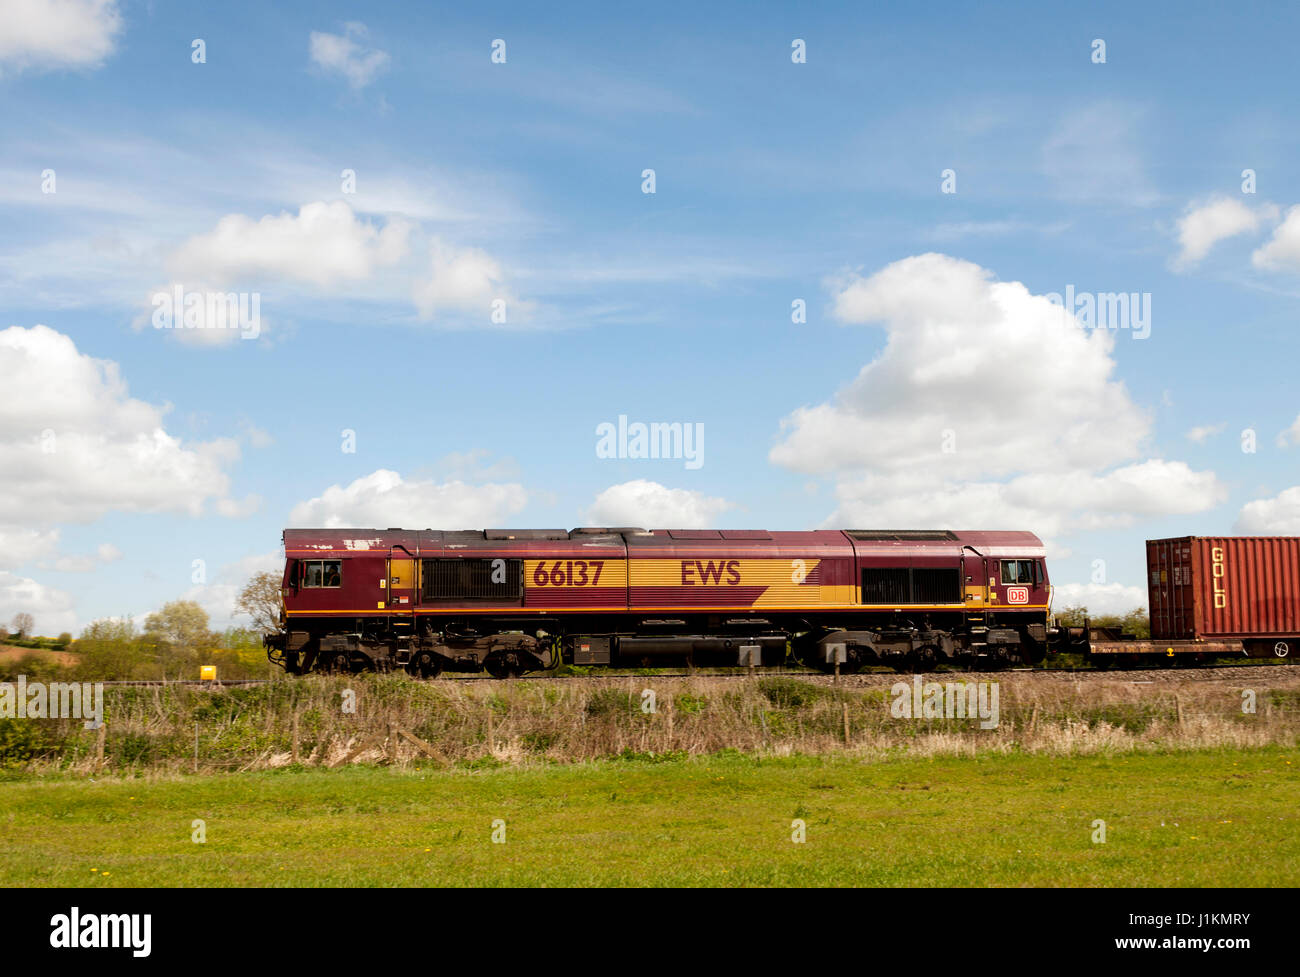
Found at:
[299, 542]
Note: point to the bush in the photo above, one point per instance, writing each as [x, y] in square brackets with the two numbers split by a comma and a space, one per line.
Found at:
[20, 740]
[610, 702]
[790, 693]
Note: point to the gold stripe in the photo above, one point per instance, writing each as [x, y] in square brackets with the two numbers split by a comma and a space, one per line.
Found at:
[515, 609]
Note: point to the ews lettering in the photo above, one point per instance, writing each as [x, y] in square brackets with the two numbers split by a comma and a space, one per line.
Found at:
[697, 572]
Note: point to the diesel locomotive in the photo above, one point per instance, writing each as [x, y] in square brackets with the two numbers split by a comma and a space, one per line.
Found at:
[508, 601]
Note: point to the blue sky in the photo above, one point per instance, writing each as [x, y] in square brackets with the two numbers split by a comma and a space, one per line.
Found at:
[925, 388]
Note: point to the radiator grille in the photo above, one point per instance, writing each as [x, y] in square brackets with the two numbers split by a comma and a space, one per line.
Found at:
[471, 577]
[904, 585]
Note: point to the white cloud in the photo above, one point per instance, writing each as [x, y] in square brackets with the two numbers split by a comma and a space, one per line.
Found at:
[382, 499]
[58, 33]
[85, 562]
[1282, 252]
[348, 54]
[1051, 504]
[1099, 598]
[463, 279]
[1204, 225]
[653, 506]
[20, 546]
[324, 244]
[218, 596]
[239, 508]
[74, 444]
[988, 407]
[1203, 433]
[51, 609]
[257, 437]
[1278, 516]
[1291, 435]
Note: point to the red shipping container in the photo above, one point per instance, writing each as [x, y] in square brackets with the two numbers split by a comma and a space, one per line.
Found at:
[1203, 587]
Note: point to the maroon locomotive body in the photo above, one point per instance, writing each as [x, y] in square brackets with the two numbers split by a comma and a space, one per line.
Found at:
[510, 601]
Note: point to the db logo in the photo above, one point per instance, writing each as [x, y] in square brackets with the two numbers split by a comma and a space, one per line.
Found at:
[1017, 595]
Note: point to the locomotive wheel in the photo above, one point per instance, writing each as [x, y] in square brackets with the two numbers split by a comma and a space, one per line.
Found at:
[336, 662]
[503, 666]
[426, 665]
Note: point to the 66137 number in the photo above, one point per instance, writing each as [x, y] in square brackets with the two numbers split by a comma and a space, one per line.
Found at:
[568, 573]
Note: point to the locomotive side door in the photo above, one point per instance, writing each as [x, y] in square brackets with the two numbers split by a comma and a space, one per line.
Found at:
[975, 578]
[401, 580]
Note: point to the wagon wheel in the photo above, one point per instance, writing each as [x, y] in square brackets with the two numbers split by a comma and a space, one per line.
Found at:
[336, 661]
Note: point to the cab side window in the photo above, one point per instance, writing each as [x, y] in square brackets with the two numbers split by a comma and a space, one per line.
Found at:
[1018, 572]
[322, 573]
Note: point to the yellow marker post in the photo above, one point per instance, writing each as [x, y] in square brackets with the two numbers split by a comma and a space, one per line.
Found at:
[207, 673]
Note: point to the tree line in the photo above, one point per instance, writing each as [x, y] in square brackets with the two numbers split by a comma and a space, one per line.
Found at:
[171, 643]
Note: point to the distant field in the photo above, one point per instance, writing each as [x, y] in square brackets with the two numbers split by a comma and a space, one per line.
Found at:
[14, 653]
[1222, 818]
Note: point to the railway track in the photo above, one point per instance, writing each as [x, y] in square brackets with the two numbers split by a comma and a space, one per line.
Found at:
[1193, 673]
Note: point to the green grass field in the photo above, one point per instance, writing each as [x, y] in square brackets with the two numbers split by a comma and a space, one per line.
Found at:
[1190, 818]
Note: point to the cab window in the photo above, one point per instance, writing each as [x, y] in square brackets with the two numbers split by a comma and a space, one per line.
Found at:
[1018, 572]
[322, 573]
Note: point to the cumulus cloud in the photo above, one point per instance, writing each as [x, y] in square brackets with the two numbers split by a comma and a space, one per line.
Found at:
[1050, 504]
[50, 608]
[988, 406]
[1278, 516]
[464, 280]
[1282, 251]
[383, 498]
[325, 243]
[1099, 598]
[48, 34]
[1205, 225]
[653, 506]
[348, 54]
[75, 445]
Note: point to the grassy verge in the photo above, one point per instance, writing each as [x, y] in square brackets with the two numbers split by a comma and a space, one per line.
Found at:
[392, 719]
[1190, 818]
